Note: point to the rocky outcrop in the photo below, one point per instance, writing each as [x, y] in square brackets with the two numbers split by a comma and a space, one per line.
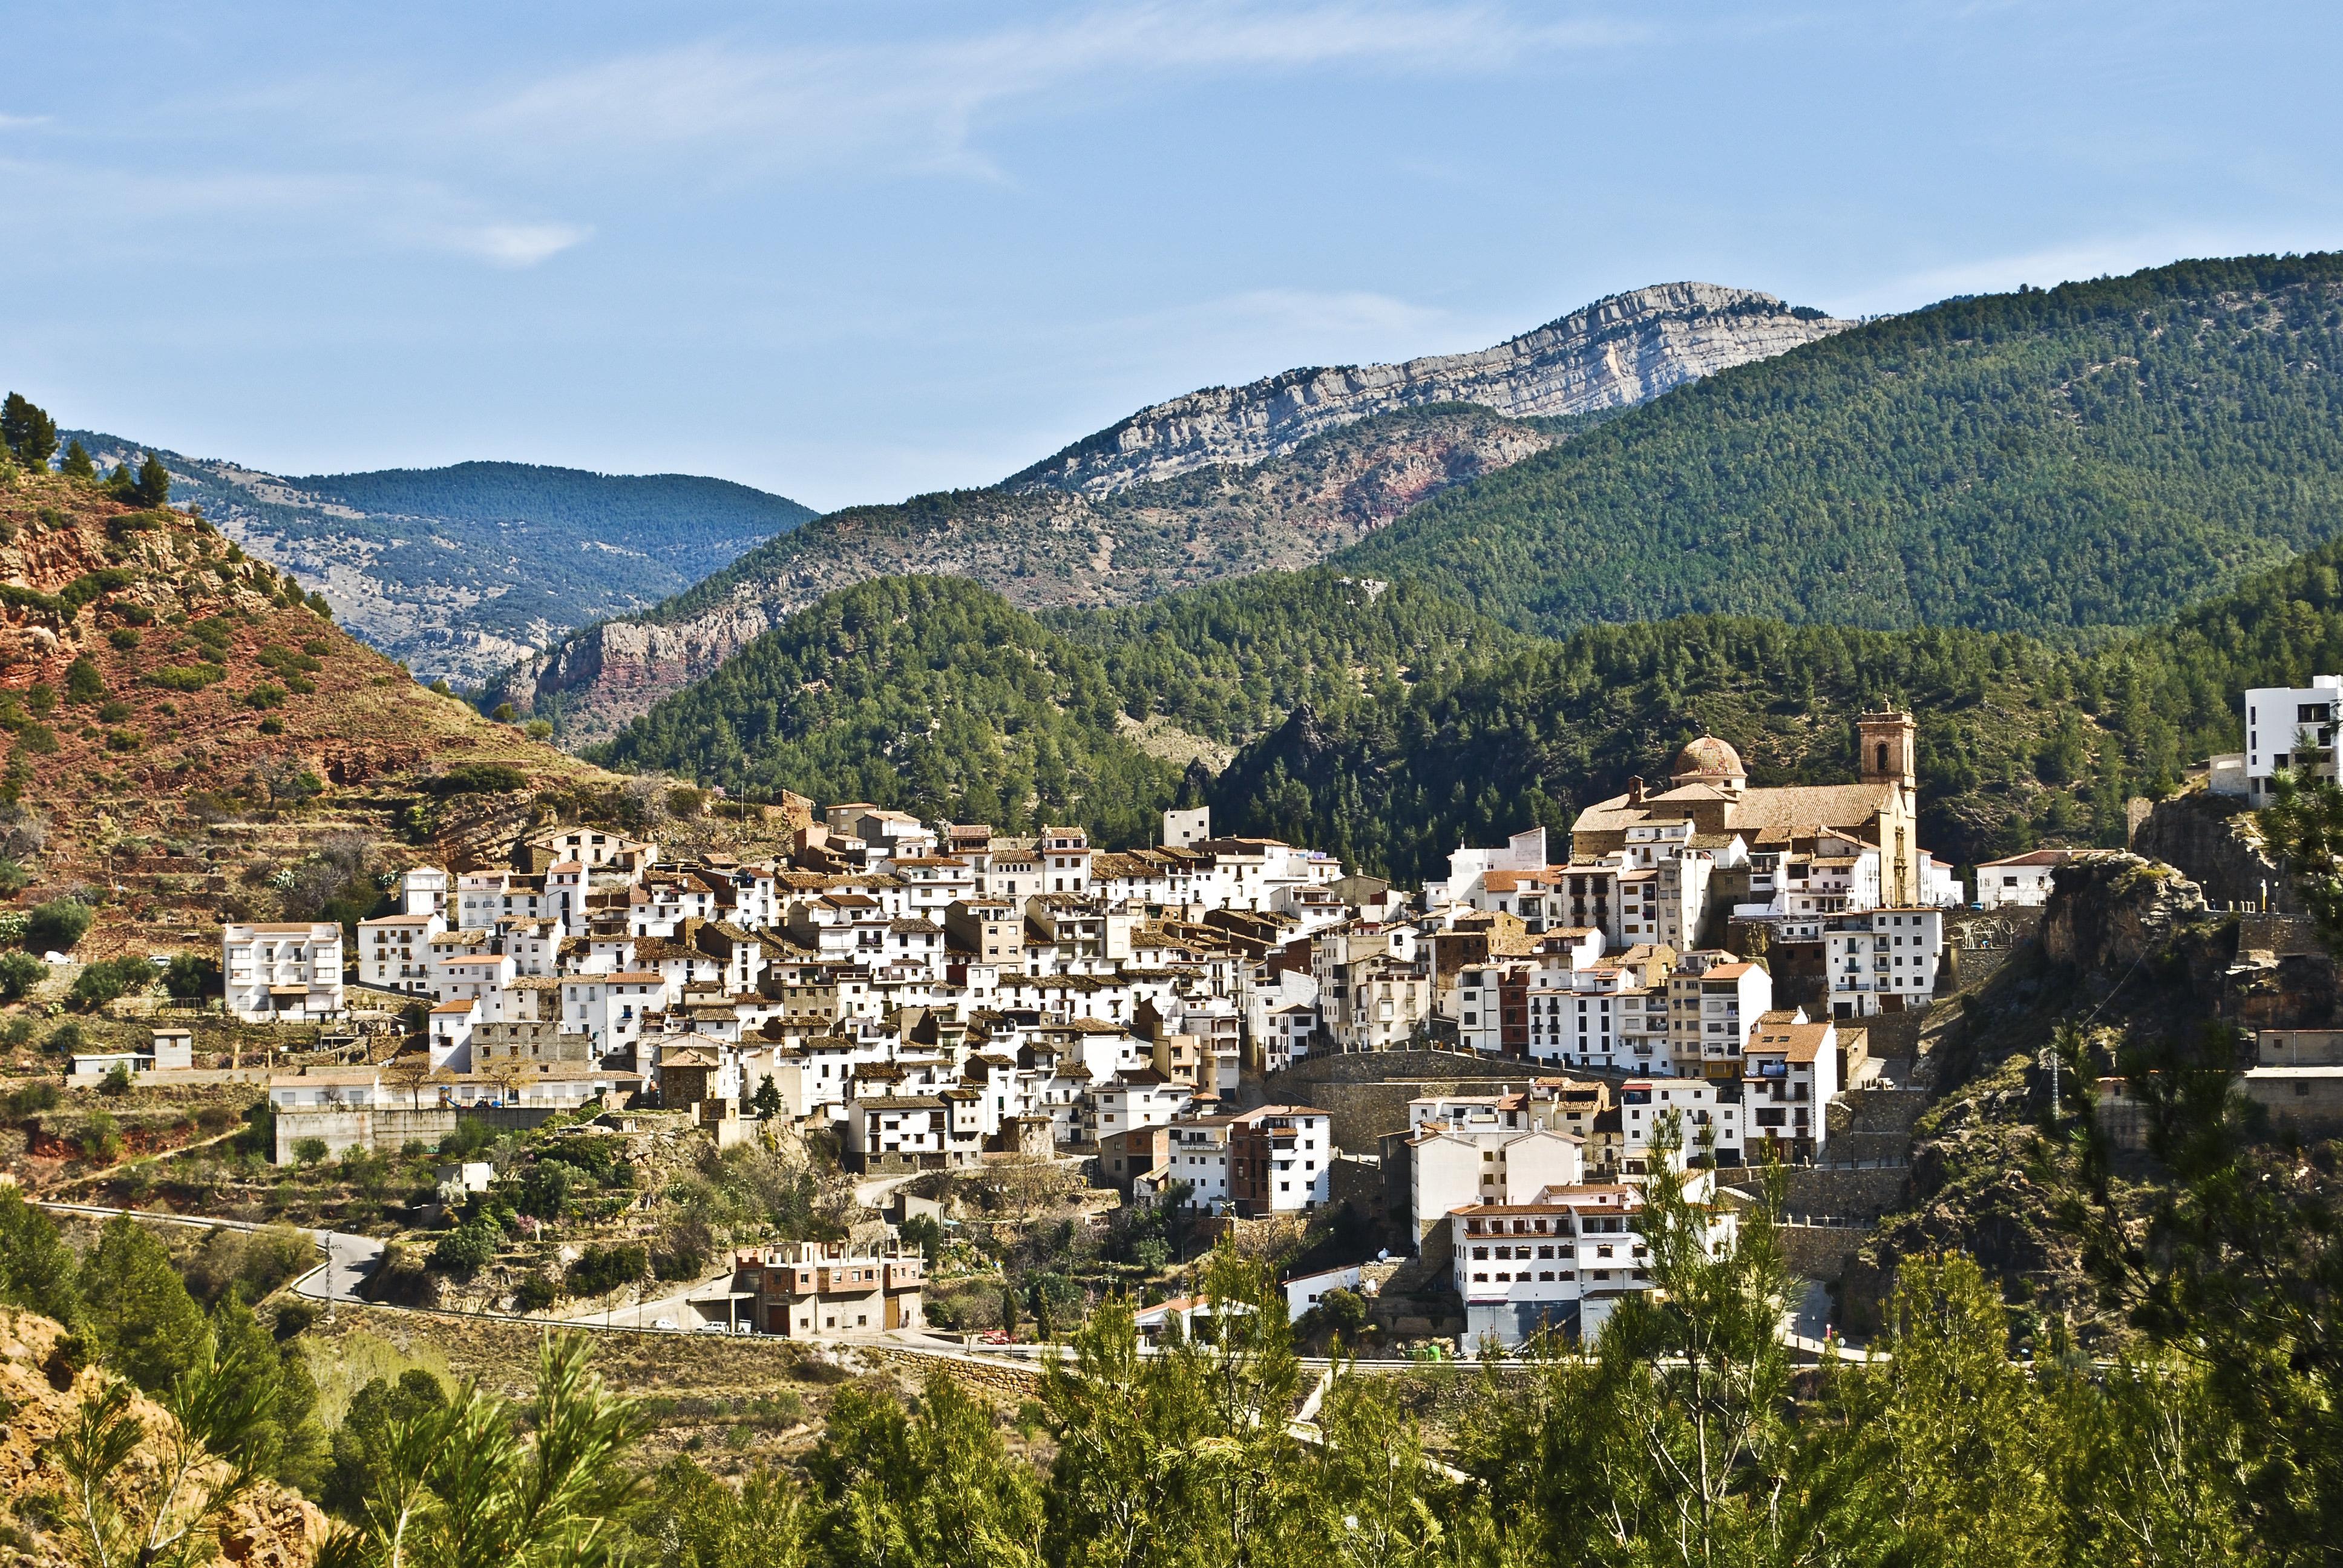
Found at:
[2109, 912]
[1612, 354]
[2214, 840]
[42, 1385]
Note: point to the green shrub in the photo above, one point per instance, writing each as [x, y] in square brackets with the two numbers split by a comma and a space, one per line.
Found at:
[191, 977]
[309, 1151]
[268, 693]
[600, 1269]
[83, 682]
[31, 1099]
[479, 778]
[108, 979]
[466, 1250]
[58, 925]
[536, 1293]
[124, 638]
[19, 972]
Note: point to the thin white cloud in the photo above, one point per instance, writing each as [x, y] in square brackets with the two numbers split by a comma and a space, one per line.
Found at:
[922, 101]
[518, 245]
[75, 206]
[22, 122]
[2054, 264]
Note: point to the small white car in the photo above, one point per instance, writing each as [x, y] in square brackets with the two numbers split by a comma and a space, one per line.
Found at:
[711, 1327]
[668, 1324]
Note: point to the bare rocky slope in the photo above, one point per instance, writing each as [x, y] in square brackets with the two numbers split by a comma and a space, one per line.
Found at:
[1614, 354]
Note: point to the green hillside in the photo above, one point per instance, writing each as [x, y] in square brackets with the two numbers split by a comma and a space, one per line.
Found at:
[692, 524]
[1229, 660]
[2099, 454]
[928, 694]
[2020, 741]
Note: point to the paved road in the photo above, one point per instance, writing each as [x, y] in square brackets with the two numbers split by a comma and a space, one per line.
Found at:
[345, 1260]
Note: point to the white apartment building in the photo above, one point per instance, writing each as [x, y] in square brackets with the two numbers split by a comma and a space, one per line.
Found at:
[2019, 881]
[395, 952]
[1789, 1076]
[608, 1009]
[1275, 1159]
[1558, 1262]
[282, 972]
[423, 890]
[1714, 1000]
[1484, 1150]
[1882, 961]
[1709, 1121]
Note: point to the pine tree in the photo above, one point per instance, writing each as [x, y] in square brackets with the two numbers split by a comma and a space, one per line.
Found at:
[30, 433]
[153, 486]
[77, 465]
[149, 1327]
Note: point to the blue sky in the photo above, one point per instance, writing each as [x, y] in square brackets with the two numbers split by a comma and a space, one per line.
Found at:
[850, 252]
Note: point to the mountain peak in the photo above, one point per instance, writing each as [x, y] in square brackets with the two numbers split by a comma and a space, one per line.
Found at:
[1620, 350]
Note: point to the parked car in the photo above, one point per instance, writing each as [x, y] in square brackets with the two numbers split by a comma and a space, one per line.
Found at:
[712, 1329]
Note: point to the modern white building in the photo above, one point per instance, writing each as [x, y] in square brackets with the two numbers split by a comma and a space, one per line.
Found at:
[394, 951]
[282, 972]
[2290, 729]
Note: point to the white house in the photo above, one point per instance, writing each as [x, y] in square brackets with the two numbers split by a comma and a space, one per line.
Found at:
[394, 950]
[1559, 1260]
[2019, 881]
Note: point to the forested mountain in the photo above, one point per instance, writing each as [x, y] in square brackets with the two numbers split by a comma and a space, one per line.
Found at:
[1404, 724]
[2020, 740]
[1612, 354]
[2099, 454]
[925, 693]
[461, 570]
[1042, 549]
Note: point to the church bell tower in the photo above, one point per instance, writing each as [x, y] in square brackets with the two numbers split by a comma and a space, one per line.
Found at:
[1887, 753]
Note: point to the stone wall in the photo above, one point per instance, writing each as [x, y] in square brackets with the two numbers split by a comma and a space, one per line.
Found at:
[345, 1127]
[1366, 1092]
[1821, 1251]
[1860, 1195]
[1011, 1380]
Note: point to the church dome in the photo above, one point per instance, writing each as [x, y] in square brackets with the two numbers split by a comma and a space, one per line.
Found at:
[1709, 760]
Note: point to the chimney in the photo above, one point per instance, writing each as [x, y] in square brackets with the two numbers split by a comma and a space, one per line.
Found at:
[1636, 790]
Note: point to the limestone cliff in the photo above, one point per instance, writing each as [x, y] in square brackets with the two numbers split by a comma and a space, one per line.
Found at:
[1614, 354]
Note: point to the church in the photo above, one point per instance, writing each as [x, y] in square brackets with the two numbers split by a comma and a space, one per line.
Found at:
[1709, 791]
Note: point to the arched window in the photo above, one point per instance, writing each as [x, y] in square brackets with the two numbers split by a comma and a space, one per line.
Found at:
[1883, 756]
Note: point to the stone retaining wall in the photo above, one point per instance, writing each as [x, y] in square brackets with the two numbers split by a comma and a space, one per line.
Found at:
[1008, 1379]
[1365, 1093]
[1814, 1190]
[1820, 1252]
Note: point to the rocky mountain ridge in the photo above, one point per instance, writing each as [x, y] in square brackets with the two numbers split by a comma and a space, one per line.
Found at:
[1614, 354]
[1041, 549]
[460, 572]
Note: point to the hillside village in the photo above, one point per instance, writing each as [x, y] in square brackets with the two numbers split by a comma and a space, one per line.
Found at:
[1692, 980]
